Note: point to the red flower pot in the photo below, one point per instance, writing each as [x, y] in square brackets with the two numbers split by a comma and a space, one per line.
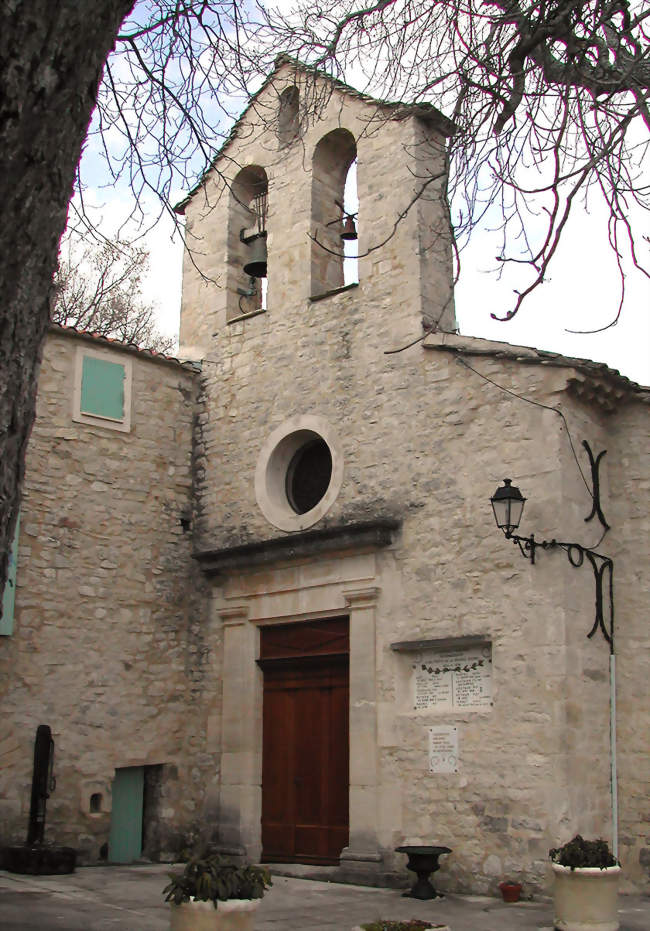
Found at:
[510, 891]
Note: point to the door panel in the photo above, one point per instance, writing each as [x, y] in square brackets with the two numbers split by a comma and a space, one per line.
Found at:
[277, 815]
[310, 755]
[339, 762]
[305, 779]
[125, 838]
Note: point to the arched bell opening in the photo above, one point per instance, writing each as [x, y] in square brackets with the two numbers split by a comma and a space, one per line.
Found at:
[247, 242]
[350, 226]
[333, 221]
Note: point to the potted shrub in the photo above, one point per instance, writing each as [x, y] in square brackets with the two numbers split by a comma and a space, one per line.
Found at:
[586, 886]
[215, 894]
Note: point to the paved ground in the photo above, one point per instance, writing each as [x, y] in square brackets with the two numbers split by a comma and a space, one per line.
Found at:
[115, 898]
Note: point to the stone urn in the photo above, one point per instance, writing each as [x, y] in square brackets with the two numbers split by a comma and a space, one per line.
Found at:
[231, 915]
[585, 898]
[423, 860]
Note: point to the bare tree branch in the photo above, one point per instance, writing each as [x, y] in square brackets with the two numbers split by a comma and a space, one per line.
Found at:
[543, 93]
[100, 290]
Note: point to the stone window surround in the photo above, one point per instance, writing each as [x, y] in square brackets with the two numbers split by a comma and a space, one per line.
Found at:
[240, 792]
[272, 464]
[123, 425]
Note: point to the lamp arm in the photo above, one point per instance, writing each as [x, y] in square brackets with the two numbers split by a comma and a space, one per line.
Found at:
[527, 545]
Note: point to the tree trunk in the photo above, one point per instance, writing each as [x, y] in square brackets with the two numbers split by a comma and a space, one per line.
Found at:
[51, 57]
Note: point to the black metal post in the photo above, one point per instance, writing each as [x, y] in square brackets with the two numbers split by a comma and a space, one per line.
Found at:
[42, 783]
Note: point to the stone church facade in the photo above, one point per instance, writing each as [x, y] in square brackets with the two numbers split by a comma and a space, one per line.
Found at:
[281, 593]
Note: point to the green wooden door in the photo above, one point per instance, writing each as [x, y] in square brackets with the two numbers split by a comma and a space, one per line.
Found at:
[125, 839]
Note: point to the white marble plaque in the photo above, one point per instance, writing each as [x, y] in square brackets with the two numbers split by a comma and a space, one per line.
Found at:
[443, 749]
[452, 679]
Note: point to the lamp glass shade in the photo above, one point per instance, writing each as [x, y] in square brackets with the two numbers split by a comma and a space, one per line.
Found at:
[508, 506]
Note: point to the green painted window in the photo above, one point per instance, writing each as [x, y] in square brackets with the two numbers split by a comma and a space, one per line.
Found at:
[9, 594]
[102, 388]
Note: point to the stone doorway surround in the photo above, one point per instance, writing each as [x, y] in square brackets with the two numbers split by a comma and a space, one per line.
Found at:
[322, 585]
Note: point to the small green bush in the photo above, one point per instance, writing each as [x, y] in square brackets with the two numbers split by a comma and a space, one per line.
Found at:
[212, 878]
[579, 853]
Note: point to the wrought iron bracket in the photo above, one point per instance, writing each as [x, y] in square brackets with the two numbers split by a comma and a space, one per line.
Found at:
[603, 569]
[603, 566]
[527, 545]
[596, 509]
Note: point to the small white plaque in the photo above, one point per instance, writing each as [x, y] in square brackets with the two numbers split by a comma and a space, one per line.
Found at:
[443, 749]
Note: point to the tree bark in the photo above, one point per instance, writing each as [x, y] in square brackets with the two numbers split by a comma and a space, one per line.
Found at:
[52, 53]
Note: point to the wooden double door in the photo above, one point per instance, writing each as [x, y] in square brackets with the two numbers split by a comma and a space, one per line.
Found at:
[305, 767]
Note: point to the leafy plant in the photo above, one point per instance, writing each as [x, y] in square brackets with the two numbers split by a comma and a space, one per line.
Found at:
[212, 878]
[579, 853]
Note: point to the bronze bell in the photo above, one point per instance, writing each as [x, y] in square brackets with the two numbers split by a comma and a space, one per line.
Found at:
[256, 265]
[349, 231]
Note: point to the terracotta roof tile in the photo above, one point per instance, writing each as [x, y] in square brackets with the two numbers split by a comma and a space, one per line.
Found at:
[121, 346]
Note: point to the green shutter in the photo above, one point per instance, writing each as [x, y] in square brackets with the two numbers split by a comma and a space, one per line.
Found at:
[102, 388]
[9, 594]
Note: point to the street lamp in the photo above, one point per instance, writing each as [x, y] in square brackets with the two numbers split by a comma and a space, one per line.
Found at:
[508, 506]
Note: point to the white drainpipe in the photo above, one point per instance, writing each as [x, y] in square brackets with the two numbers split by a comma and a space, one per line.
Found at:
[612, 745]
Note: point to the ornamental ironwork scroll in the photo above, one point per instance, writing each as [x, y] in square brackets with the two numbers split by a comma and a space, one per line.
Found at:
[602, 566]
[596, 509]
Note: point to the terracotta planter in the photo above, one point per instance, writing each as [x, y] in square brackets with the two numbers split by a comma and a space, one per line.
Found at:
[233, 915]
[586, 899]
[510, 891]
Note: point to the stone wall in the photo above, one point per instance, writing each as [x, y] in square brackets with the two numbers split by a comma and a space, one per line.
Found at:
[110, 646]
[630, 483]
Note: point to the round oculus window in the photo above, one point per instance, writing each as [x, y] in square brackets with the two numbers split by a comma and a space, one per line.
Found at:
[299, 473]
[308, 475]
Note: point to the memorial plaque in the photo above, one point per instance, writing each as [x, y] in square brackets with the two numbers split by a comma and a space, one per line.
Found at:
[452, 679]
[443, 749]
[432, 690]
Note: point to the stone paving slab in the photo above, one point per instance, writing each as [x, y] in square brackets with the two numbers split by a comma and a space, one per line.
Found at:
[128, 899]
